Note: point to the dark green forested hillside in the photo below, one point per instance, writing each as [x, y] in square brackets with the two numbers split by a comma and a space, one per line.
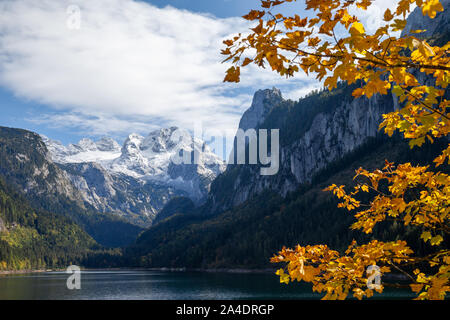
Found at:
[176, 205]
[31, 239]
[247, 236]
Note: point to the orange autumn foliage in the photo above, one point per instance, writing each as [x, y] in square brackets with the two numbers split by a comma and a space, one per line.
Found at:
[382, 63]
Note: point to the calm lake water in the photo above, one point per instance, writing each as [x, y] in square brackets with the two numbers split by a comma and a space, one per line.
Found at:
[155, 285]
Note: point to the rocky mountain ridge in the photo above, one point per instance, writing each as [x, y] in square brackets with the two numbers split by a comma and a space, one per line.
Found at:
[136, 180]
[327, 136]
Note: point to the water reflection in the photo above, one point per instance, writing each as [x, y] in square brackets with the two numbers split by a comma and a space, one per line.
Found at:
[151, 285]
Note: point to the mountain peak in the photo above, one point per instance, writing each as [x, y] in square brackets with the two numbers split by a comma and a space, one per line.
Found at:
[86, 144]
[107, 144]
[275, 92]
[263, 102]
[160, 140]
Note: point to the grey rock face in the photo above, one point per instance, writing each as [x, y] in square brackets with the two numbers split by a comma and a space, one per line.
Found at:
[107, 144]
[333, 135]
[263, 102]
[135, 200]
[330, 136]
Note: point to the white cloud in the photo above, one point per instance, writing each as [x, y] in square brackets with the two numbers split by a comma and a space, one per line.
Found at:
[127, 59]
[130, 66]
[302, 91]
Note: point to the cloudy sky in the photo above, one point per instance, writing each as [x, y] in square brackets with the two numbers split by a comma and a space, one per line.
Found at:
[128, 66]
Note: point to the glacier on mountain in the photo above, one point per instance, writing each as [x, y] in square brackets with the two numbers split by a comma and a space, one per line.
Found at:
[137, 179]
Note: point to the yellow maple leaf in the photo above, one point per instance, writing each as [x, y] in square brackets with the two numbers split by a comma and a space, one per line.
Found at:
[357, 28]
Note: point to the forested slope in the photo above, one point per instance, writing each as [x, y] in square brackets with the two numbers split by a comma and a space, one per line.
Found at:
[36, 239]
[248, 235]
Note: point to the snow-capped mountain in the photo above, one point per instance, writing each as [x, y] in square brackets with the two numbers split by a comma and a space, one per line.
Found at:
[152, 158]
[137, 179]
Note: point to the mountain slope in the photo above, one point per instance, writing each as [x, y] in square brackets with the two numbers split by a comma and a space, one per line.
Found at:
[26, 166]
[248, 235]
[32, 239]
[314, 132]
[178, 205]
[438, 28]
[122, 195]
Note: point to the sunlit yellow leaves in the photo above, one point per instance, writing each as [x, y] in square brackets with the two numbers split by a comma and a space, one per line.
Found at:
[346, 19]
[375, 86]
[358, 92]
[426, 236]
[312, 42]
[435, 287]
[397, 90]
[428, 210]
[337, 275]
[284, 278]
[416, 287]
[247, 61]
[334, 46]
[228, 43]
[436, 240]
[357, 28]
[438, 289]
[423, 52]
[442, 157]
[403, 7]
[431, 7]
[266, 4]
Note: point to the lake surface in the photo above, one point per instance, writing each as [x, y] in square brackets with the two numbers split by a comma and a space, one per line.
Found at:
[156, 285]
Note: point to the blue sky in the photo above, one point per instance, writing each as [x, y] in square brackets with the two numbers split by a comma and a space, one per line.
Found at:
[219, 8]
[131, 66]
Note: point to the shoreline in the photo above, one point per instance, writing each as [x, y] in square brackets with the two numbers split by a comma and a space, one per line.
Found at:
[220, 270]
[387, 277]
[8, 272]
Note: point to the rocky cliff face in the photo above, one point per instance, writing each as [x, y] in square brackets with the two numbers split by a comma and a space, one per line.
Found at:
[331, 134]
[135, 200]
[26, 164]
